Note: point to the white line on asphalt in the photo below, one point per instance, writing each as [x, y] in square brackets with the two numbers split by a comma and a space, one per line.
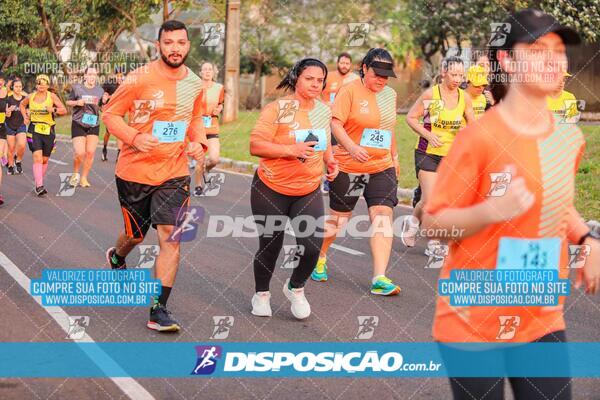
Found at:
[57, 162]
[129, 386]
[335, 246]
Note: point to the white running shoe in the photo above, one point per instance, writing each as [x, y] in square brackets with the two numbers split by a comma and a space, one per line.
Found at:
[261, 304]
[300, 307]
[74, 180]
[410, 228]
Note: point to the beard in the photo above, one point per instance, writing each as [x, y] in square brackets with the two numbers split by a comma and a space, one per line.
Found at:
[172, 64]
[343, 71]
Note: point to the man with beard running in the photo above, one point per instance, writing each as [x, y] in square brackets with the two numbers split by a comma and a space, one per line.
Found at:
[165, 106]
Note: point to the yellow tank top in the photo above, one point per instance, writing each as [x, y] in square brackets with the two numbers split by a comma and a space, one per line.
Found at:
[478, 103]
[2, 105]
[442, 121]
[39, 112]
[558, 105]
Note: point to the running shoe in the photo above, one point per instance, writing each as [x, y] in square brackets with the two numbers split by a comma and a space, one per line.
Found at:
[84, 182]
[198, 191]
[113, 261]
[104, 154]
[19, 167]
[300, 307]
[410, 227]
[10, 170]
[261, 304]
[74, 180]
[160, 319]
[1, 200]
[40, 191]
[384, 287]
[319, 274]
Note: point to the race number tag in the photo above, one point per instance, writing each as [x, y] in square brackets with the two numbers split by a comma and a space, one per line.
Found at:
[308, 135]
[376, 138]
[169, 131]
[207, 121]
[42, 129]
[89, 119]
[516, 253]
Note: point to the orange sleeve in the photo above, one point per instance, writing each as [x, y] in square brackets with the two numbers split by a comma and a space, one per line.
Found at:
[196, 132]
[120, 103]
[265, 128]
[342, 104]
[459, 174]
[576, 226]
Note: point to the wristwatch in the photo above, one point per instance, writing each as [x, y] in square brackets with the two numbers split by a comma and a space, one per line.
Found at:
[592, 233]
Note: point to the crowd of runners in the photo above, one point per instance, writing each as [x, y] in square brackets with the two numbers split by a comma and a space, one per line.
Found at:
[499, 113]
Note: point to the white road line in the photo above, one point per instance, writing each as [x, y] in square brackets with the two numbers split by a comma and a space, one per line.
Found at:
[57, 162]
[129, 386]
[335, 246]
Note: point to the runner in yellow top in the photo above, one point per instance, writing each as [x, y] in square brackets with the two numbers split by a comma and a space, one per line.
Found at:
[476, 83]
[3, 146]
[39, 109]
[442, 108]
[214, 95]
[557, 101]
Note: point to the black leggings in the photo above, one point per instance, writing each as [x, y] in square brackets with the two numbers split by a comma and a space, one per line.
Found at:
[267, 203]
[523, 388]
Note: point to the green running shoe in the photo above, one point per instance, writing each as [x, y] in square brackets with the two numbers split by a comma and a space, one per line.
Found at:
[319, 274]
[384, 287]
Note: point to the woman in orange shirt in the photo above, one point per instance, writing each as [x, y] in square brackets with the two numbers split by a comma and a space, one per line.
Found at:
[364, 118]
[292, 137]
[505, 195]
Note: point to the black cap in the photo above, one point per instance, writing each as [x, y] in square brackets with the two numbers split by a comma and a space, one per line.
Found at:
[382, 68]
[526, 26]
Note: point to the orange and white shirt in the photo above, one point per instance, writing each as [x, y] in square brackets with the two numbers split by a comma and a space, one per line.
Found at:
[548, 163]
[335, 81]
[363, 114]
[163, 106]
[284, 122]
[214, 95]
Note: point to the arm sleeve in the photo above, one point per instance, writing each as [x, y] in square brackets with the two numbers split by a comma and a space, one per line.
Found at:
[196, 131]
[576, 226]
[342, 105]
[265, 128]
[119, 105]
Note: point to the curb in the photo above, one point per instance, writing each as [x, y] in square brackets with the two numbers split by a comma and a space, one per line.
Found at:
[239, 166]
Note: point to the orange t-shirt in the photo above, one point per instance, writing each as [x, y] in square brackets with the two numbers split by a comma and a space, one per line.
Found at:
[277, 123]
[358, 108]
[335, 81]
[149, 95]
[215, 95]
[548, 164]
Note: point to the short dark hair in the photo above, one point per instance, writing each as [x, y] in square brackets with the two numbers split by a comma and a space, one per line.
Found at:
[374, 54]
[344, 55]
[172, 25]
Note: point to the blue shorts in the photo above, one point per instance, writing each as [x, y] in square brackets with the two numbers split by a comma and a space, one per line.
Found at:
[12, 132]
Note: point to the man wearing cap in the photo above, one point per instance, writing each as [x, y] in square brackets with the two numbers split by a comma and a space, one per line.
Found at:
[557, 102]
[476, 84]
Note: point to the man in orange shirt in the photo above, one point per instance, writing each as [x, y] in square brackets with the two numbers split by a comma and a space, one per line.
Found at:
[165, 106]
[339, 78]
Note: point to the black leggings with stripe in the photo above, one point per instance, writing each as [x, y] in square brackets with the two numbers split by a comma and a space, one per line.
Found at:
[267, 203]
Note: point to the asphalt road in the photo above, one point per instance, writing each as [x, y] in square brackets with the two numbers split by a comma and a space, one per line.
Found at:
[215, 279]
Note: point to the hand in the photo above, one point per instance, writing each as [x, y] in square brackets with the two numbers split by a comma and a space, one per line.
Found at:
[489, 97]
[303, 149]
[359, 153]
[589, 274]
[515, 202]
[217, 110]
[145, 142]
[434, 140]
[81, 102]
[332, 169]
[195, 150]
[397, 167]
